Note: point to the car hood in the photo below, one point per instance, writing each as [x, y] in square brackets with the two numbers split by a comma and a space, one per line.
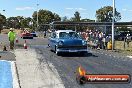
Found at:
[71, 42]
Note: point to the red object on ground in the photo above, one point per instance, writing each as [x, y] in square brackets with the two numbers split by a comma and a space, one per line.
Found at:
[25, 45]
[16, 40]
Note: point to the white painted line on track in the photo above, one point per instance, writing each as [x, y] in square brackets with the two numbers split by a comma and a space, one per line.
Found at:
[129, 56]
[6, 61]
[14, 75]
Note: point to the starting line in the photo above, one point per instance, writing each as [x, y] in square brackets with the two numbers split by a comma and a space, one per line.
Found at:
[8, 77]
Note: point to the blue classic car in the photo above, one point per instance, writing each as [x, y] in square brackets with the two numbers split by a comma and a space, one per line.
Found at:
[67, 41]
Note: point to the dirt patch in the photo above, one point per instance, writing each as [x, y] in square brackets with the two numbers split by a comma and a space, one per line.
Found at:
[119, 45]
[5, 31]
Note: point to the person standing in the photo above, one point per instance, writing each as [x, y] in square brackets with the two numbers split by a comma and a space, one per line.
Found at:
[107, 39]
[11, 37]
[104, 41]
[128, 39]
[100, 40]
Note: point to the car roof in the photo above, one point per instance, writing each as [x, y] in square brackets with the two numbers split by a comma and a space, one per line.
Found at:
[58, 31]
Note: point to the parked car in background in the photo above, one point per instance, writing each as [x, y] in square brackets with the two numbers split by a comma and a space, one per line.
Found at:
[26, 35]
[67, 41]
[120, 36]
[34, 34]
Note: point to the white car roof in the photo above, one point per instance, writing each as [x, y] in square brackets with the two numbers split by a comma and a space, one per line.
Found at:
[58, 31]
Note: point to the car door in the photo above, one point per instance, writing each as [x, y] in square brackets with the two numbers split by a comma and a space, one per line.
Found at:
[52, 41]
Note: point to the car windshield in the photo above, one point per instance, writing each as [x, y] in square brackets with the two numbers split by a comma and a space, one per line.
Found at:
[69, 35]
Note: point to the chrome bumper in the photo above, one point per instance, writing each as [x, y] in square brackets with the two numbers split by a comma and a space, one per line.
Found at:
[80, 50]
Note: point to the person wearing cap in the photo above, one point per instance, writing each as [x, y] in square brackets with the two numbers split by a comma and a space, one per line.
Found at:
[11, 37]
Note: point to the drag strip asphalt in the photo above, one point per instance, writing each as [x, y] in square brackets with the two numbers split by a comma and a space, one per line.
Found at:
[93, 62]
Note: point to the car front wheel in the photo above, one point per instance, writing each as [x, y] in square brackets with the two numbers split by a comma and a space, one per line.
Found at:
[82, 53]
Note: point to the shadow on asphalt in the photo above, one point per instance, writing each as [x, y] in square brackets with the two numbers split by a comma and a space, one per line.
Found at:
[77, 55]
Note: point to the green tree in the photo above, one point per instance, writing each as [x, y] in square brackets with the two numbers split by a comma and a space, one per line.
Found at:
[84, 28]
[25, 23]
[12, 22]
[105, 14]
[56, 17]
[20, 19]
[64, 19]
[87, 20]
[77, 17]
[45, 16]
[18, 22]
[2, 21]
[72, 19]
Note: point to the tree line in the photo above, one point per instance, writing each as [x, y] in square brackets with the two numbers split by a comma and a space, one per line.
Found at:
[103, 14]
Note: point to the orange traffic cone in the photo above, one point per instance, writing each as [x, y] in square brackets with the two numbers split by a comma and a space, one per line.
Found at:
[25, 45]
[16, 40]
